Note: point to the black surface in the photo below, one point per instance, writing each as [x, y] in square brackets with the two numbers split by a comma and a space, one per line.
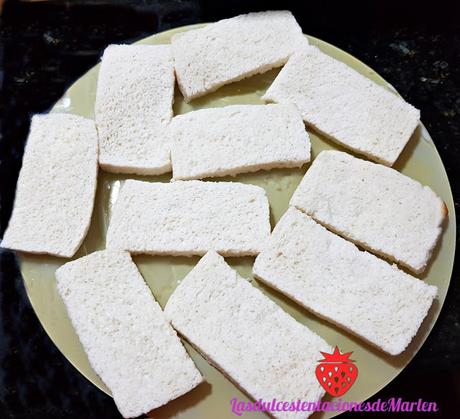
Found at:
[45, 46]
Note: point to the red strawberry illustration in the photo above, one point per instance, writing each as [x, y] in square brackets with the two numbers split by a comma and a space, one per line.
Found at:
[336, 372]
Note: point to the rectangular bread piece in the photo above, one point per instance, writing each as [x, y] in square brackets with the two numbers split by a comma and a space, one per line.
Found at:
[56, 186]
[244, 334]
[237, 139]
[374, 206]
[233, 49]
[135, 93]
[335, 280]
[189, 218]
[124, 332]
[345, 106]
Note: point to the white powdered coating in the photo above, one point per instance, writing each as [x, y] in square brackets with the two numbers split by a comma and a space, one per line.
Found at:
[237, 139]
[345, 106]
[124, 332]
[190, 218]
[233, 49]
[375, 206]
[135, 93]
[335, 280]
[266, 352]
[56, 186]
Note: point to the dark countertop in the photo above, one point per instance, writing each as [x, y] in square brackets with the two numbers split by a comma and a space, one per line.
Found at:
[45, 46]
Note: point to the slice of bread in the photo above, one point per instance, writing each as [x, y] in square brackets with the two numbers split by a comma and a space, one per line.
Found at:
[345, 106]
[56, 186]
[374, 206]
[233, 49]
[335, 280]
[187, 218]
[135, 93]
[263, 350]
[124, 332]
[237, 139]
